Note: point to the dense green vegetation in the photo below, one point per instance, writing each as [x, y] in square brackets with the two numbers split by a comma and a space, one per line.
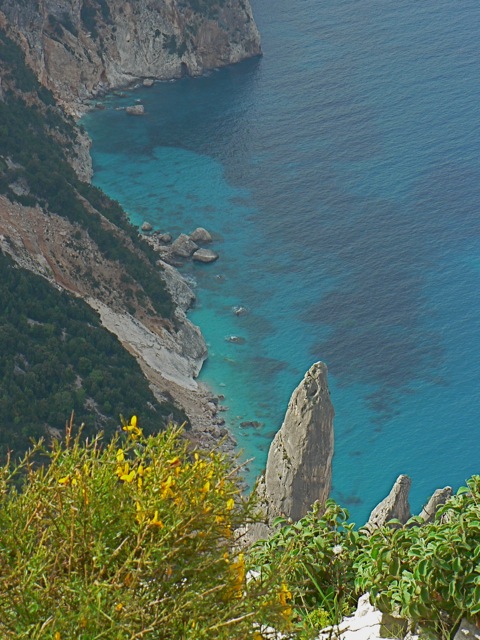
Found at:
[429, 574]
[36, 158]
[56, 357]
[129, 540]
[135, 539]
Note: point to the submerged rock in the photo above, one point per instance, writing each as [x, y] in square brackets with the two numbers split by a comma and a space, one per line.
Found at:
[136, 110]
[235, 339]
[239, 310]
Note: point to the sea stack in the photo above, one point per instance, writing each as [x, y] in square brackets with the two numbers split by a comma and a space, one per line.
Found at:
[299, 464]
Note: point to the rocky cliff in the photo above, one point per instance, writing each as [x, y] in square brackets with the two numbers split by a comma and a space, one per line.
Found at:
[299, 464]
[79, 48]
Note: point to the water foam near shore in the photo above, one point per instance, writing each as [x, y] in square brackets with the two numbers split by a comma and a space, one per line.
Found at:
[340, 177]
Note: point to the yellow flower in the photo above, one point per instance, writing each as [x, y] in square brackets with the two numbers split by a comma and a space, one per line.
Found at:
[206, 487]
[166, 487]
[57, 636]
[64, 480]
[128, 477]
[118, 607]
[174, 462]
[133, 431]
[230, 504]
[155, 520]
[237, 568]
[285, 595]
[140, 513]
[120, 455]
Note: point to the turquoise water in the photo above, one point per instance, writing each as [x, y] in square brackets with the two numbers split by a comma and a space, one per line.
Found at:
[340, 177]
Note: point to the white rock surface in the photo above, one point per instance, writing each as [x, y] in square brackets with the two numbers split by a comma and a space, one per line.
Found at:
[367, 623]
[162, 353]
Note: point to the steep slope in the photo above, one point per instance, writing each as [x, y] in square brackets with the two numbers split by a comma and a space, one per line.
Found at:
[81, 47]
[58, 227]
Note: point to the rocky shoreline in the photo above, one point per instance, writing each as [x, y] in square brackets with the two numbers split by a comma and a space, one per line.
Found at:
[203, 408]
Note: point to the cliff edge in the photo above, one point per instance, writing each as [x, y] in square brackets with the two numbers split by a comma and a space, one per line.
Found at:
[81, 48]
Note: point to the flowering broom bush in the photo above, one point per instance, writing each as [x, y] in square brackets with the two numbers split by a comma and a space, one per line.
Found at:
[130, 539]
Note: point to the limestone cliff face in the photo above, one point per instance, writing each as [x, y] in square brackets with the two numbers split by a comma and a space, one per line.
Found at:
[299, 464]
[64, 254]
[81, 47]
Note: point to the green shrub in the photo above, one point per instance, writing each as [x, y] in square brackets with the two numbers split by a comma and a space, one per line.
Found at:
[131, 539]
[431, 573]
[314, 557]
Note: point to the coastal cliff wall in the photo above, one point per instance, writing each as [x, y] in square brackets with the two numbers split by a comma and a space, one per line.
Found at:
[80, 48]
[77, 49]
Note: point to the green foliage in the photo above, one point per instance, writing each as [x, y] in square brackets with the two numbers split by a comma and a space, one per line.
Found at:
[13, 57]
[431, 573]
[127, 540]
[315, 558]
[26, 138]
[88, 14]
[56, 357]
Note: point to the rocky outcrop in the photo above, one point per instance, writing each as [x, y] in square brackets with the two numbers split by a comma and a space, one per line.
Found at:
[136, 110]
[200, 236]
[394, 506]
[439, 497]
[467, 631]
[299, 464]
[81, 48]
[66, 256]
[205, 255]
[183, 247]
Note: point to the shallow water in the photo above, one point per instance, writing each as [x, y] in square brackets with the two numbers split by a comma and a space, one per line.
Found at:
[340, 177]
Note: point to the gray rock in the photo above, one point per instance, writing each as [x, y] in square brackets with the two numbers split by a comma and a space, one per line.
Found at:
[439, 497]
[146, 226]
[183, 246]
[148, 82]
[205, 255]
[299, 464]
[200, 235]
[395, 505]
[467, 631]
[136, 110]
[164, 238]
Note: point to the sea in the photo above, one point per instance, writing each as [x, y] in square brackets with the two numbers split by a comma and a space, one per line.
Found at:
[339, 175]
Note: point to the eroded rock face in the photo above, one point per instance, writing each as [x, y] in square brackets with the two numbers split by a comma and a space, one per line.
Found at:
[439, 497]
[79, 48]
[299, 465]
[394, 506]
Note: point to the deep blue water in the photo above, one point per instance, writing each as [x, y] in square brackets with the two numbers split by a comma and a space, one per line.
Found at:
[340, 176]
